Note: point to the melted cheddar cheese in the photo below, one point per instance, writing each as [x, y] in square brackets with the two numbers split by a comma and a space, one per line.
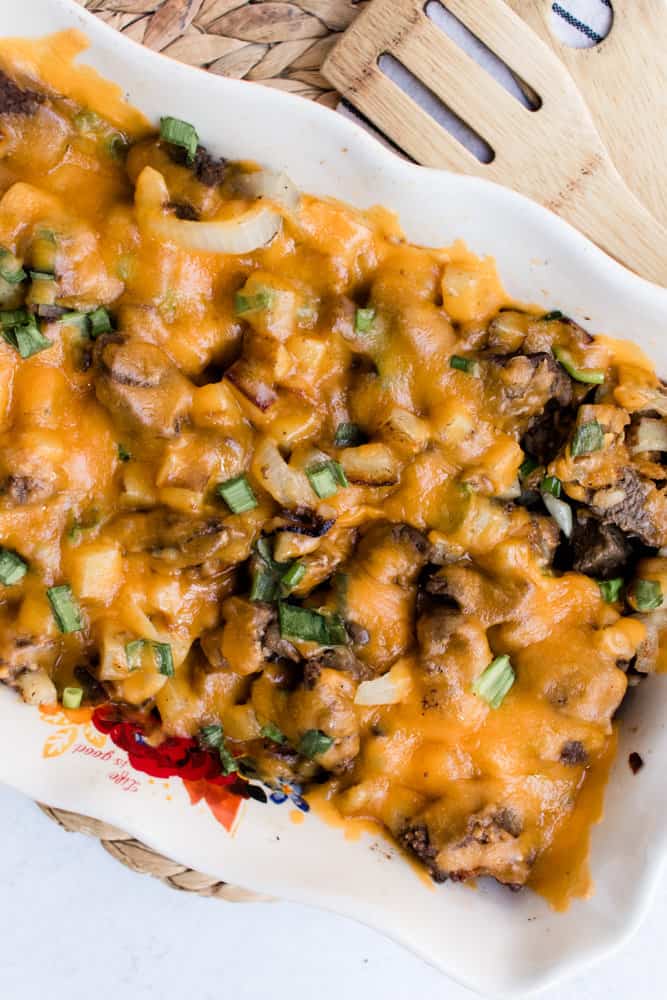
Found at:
[309, 499]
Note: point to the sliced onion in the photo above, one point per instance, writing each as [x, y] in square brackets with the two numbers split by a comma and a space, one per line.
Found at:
[247, 232]
[389, 689]
[651, 435]
[268, 184]
[560, 511]
[288, 486]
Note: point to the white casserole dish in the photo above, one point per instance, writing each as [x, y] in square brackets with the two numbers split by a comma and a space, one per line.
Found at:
[500, 944]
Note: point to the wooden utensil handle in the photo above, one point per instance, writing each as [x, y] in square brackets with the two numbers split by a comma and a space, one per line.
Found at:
[604, 208]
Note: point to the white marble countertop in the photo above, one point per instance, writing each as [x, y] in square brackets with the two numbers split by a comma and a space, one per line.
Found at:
[76, 925]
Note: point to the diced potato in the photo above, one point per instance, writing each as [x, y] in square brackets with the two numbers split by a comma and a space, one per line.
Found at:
[471, 291]
[214, 405]
[288, 486]
[405, 431]
[371, 464]
[138, 486]
[289, 545]
[270, 305]
[37, 688]
[96, 571]
[240, 723]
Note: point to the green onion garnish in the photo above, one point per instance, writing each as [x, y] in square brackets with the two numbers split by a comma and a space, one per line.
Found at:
[647, 594]
[65, 609]
[552, 485]
[253, 303]
[123, 454]
[117, 146]
[587, 438]
[86, 121]
[99, 322]
[12, 567]
[11, 268]
[364, 320]
[310, 626]
[292, 576]
[494, 683]
[554, 314]
[313, 743]
[228, 761]
[21, 331]
[264, 586]
[79, 319]
[237, 494]
[211, 737]
[180, 133]
[611, 589]
[462, 364]
[592, 376]
[72, 697]
[527, 466]
[161, 653]
[271, 732]
[326, 477]
[349, 436]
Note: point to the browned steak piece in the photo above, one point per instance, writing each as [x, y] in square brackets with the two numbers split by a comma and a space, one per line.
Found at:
[16, 101]
[599, 549]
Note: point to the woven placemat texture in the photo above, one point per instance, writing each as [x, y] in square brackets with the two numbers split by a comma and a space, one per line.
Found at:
[278, 44]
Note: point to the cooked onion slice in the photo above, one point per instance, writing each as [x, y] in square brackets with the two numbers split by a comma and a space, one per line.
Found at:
[247, 232]
[269, 184]
[560, 511]
[389, 689]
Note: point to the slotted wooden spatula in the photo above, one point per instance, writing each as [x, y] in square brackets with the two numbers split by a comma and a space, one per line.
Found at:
[554, 154]
[624, 83]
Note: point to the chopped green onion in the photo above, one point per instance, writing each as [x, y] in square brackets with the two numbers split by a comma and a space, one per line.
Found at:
[364, 320]
[228, 761]
[180, 133]
[554, 314]
[161, 653]
[271, 732]
[117, 146]
[264, 586]
[611, 589]
[14, 317]
[462, 364]
[265, 552]
[292, 576]
[164, 658]
[72, 697]
[592, 376]
[587, 438]
[133, 653]
[12, 567]
[313, 743]
[238, 494]
[123, 454]
[253, 303]
[65, 609]
[647, 594]
[211, 737]
[527, 466]
[79, 319]
[349, 436]
[326, 477]
[99, 322]
[310, 626]
[21, 331]
[496, 680]
[11, 268]
[551, 484]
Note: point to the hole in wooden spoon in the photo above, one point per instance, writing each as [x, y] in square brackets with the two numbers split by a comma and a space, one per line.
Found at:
[444, 116]
[482, 54]
[580, 24]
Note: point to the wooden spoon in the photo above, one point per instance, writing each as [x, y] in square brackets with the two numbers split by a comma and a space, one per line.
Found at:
[554, 154]
[624, 82]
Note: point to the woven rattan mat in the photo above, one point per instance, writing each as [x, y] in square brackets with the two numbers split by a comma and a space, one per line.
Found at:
[278, 44]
